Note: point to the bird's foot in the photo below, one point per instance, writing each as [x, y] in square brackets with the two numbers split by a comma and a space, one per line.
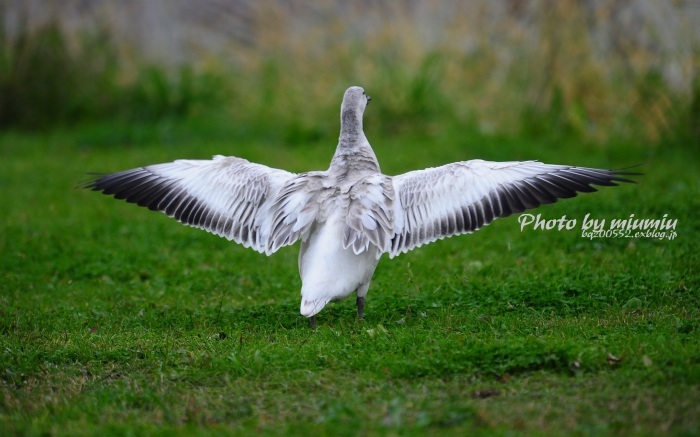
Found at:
[312, 322]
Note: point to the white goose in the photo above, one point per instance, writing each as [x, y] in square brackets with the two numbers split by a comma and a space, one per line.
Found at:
[350, 214]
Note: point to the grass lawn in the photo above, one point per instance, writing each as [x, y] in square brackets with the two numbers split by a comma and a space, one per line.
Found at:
[116, 320]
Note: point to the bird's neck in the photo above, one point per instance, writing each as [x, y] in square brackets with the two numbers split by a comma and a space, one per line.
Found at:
[350, 124]
[354, 155]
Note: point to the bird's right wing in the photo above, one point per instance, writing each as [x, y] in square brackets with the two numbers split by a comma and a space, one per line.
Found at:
[227, 196]
[462, 197]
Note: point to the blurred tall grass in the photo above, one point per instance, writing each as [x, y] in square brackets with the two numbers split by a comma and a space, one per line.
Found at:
[48, 79]
[504, 80]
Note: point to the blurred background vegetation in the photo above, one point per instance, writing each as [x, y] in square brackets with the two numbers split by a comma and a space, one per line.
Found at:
[597, 70]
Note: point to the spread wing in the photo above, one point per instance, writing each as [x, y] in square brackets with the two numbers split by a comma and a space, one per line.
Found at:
[462, 197]
[227, 196]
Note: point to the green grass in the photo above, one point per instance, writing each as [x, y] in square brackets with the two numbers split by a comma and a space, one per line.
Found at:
[115, 320]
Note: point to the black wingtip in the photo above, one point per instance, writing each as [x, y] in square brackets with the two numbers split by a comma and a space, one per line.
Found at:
[91, 182]
[623, 172]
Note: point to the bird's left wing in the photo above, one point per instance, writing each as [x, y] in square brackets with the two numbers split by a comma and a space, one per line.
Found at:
[462, 197]
[227, 196]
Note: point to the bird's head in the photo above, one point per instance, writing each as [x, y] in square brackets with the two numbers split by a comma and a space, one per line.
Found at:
[354, 103]
[355, 100]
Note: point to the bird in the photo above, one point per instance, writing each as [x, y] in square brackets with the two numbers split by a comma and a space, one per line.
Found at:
[350, 215]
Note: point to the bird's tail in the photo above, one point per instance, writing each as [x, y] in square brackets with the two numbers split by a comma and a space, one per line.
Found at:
[310, 308]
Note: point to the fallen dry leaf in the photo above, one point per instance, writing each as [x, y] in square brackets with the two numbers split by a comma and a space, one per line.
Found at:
[612, 359]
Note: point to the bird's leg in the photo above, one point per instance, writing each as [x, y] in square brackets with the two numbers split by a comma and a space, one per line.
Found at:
[361, 293]
[360, 307]
[312, 322]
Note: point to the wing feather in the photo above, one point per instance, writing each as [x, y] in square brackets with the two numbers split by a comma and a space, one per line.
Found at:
[227, 196]
[462, 197]
[296, 208]
[370, 214]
